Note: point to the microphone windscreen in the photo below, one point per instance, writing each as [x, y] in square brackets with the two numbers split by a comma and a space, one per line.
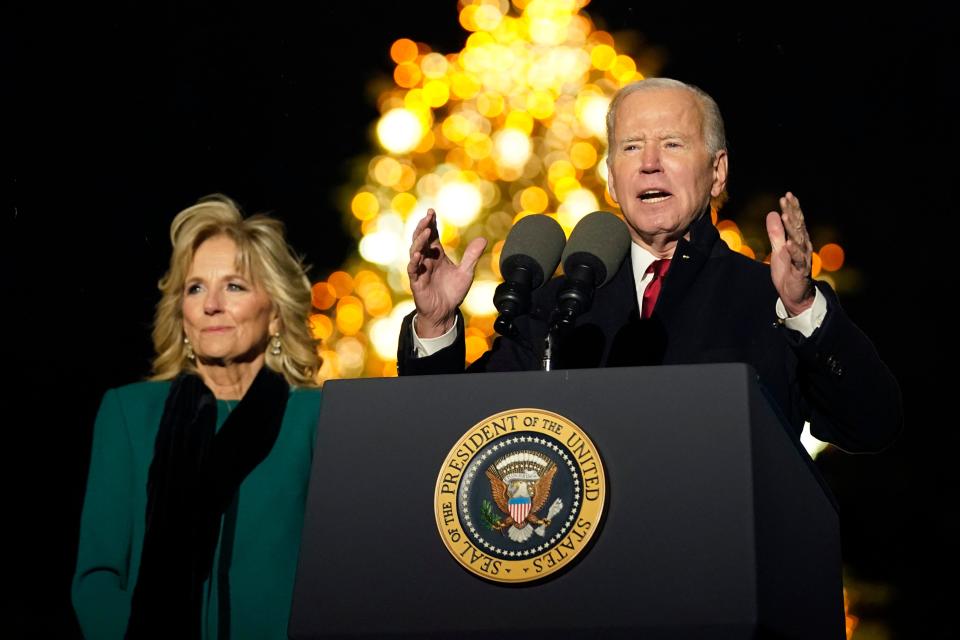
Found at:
[601, 240]
[535, 242]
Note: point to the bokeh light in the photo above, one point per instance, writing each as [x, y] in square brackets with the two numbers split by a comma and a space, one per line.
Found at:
[399, 130]
[831, 256]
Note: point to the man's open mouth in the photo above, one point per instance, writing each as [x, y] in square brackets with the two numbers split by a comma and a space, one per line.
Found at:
[654, 196]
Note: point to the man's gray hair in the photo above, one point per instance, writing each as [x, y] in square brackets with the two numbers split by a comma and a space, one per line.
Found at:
[713, 131]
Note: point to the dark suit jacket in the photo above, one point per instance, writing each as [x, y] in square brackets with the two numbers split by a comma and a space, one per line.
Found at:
[715, 305]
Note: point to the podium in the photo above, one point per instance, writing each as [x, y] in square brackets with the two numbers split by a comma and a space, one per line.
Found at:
[717, 524]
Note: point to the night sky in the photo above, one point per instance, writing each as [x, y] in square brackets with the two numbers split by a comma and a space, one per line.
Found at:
[122, 116]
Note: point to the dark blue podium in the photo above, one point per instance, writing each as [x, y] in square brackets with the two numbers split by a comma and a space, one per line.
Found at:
[717, 525]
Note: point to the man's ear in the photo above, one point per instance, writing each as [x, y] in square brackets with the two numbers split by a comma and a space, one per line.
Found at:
[719, 173]
[611, 187]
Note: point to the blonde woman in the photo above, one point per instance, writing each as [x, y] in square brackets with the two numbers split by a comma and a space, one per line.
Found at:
[198, 476]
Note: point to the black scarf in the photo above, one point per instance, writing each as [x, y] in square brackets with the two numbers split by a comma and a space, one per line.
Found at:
[193, 478]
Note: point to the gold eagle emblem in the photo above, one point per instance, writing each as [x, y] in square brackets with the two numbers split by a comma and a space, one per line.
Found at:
[520, 485]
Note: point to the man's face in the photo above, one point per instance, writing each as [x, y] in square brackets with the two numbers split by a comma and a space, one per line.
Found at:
[661, 173]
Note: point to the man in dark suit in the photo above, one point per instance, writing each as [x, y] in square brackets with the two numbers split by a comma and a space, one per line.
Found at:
[681, 296]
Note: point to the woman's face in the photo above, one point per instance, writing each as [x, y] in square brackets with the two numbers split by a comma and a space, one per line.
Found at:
[225, 316]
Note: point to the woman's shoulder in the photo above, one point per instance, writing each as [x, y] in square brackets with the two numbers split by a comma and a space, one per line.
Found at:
[135, 408]
[300, 418]
[138, 399]
[305, 399]
[143, 390]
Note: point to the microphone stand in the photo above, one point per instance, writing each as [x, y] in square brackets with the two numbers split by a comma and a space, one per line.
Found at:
[574, 299]
[546, 363]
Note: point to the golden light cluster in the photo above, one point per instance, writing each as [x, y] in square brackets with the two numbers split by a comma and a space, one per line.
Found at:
[511, 125]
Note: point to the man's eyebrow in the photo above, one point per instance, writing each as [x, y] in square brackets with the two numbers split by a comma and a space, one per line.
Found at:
[662, 135]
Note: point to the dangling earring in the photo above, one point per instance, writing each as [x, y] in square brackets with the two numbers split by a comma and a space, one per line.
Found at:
[275, 345]
[188, 349]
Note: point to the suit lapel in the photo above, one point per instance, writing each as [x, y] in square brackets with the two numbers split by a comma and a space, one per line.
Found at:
[689, 259]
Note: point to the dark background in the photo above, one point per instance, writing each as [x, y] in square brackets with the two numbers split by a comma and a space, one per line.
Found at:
[122, 115]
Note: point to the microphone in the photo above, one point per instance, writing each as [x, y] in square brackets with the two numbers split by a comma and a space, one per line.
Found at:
[596, 248]
[530, 255]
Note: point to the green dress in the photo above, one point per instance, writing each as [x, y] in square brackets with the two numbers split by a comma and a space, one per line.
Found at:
[251, 586]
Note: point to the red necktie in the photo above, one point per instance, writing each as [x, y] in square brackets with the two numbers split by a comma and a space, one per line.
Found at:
[658, 269]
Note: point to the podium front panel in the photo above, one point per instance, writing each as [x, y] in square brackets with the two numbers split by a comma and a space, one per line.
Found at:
[677, 554]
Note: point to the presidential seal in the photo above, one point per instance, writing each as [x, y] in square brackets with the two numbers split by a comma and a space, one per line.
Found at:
[520, 495]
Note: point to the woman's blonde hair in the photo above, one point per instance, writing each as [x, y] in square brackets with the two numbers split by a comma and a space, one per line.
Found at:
[263, 255]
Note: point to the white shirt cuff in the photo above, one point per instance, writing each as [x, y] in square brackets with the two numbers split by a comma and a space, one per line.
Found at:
[429, 346]
[808, 321]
